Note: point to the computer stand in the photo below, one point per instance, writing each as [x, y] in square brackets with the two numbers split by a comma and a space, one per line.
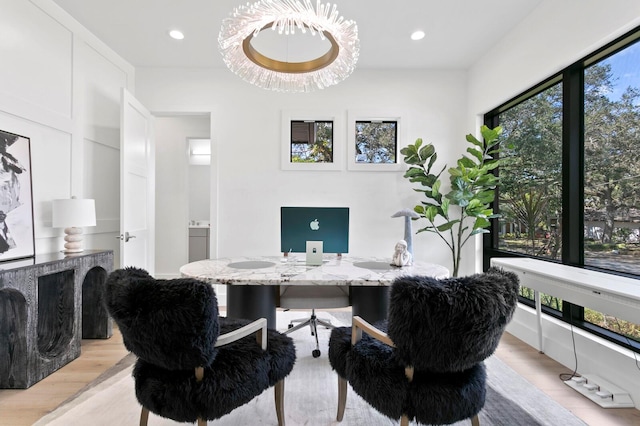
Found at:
[312, 322]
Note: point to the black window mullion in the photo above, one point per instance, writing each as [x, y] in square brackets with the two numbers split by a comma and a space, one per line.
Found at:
[573, 166]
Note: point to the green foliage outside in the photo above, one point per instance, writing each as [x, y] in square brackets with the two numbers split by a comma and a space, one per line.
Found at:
[376, 142]
[531, 183]
[319, 150]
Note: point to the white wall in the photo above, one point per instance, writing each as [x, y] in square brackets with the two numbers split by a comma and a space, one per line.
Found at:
[199, 192]
[246, 129]
[554, 36]
[172, 188]
[60, 87]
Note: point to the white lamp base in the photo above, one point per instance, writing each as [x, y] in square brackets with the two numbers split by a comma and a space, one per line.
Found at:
[73, 238]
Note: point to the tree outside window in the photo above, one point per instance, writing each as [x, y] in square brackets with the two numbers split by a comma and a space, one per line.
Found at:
[311, 141]
[376, 142]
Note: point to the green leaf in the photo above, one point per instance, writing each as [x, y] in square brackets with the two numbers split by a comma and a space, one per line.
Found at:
[478, 154]
[459, 198]
[467, 162]
[427, 180]
[427, 151]
[435, 188]
[479, 231]
[447, 226]
[412, 171]
[432, 160]
[473, 140]
[485, 197]
[487, 181]
[490, 135]
[481, 223]
[431, 212]
[428, 228]
[492, 165]
[445, 207]
[455, 172]
[475, 204]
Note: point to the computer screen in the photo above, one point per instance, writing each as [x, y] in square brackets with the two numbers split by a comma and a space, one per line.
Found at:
[327, 224]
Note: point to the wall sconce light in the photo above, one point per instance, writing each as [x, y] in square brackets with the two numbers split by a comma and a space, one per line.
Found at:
[72, 214]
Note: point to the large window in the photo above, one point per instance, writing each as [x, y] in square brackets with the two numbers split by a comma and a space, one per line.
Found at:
[570, 190]
[611, 161]
[530, 190]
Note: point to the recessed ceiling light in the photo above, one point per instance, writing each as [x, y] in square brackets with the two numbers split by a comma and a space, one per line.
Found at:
[417, 35]
[176, 34]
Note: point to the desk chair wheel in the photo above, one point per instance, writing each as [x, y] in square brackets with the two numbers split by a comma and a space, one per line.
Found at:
[312, 322]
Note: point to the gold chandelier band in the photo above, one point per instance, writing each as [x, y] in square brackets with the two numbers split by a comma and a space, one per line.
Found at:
[290, 67]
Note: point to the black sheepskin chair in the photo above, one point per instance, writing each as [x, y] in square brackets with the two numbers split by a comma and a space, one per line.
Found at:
[426, 361]
[188, 368]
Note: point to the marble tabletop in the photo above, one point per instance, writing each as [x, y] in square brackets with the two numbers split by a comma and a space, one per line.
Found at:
[292, 270]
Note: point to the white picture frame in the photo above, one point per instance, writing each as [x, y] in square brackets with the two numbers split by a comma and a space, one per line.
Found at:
[352, 163]
[313, 115]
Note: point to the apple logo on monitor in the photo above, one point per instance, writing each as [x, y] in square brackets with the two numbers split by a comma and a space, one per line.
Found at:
[314, 225]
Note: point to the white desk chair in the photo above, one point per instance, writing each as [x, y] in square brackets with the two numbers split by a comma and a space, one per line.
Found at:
[313, 297]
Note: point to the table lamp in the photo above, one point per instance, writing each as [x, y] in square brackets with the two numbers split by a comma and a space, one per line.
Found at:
[72, 214]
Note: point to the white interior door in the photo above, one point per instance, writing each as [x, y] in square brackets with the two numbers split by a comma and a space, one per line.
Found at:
[137, 185]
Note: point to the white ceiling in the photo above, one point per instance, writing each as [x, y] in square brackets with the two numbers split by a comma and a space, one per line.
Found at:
[457, 31]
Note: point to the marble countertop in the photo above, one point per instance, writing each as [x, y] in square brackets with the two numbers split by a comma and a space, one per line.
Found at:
[276, 270]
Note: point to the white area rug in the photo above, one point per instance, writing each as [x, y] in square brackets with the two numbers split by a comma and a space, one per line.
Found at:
[311, 396]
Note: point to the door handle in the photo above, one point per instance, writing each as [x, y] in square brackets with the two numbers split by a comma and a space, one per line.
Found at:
[126, 237]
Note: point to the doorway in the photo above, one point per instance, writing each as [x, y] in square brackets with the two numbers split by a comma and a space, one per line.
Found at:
[174, 185]
[199, 179]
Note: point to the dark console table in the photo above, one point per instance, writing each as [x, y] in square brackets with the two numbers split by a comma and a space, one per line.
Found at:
[47, 305]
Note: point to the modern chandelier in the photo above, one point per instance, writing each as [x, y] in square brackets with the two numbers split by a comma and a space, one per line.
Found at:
[286, 17]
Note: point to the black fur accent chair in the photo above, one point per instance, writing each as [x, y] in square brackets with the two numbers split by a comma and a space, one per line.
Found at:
[192, 364]
[426, 361]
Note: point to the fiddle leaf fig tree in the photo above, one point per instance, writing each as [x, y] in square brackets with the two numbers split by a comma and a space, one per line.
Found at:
[466, 209]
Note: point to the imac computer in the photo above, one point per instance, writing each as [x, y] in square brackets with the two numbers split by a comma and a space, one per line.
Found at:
[298, 225]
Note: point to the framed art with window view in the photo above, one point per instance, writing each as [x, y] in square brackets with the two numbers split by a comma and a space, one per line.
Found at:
[311, 141]
[373, 142]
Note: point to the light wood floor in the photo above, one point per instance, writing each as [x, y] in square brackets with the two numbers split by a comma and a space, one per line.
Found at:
[24, 407]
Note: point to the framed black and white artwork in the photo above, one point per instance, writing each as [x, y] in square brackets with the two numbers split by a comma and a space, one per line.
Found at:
[16, 201]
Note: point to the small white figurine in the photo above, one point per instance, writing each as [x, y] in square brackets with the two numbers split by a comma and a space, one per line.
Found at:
[401, 256]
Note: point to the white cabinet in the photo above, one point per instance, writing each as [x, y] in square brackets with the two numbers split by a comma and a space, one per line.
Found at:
[198, 243]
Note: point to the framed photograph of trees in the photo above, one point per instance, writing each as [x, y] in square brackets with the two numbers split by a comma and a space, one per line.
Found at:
[16, 203]
[373, 142]
[312, 141]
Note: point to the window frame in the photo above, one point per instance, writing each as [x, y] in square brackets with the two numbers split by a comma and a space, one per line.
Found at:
[338, 140]
[356, 116]
[572, 253]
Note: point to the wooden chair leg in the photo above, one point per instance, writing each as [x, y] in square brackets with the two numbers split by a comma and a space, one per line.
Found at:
[279, 398]
[144, 417]
[475, 420]
[342, 398]
[404, 420]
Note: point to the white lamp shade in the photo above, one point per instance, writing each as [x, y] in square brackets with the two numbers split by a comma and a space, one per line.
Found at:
[73, 212]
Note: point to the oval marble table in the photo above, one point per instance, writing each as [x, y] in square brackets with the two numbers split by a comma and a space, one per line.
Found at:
[253, 281]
